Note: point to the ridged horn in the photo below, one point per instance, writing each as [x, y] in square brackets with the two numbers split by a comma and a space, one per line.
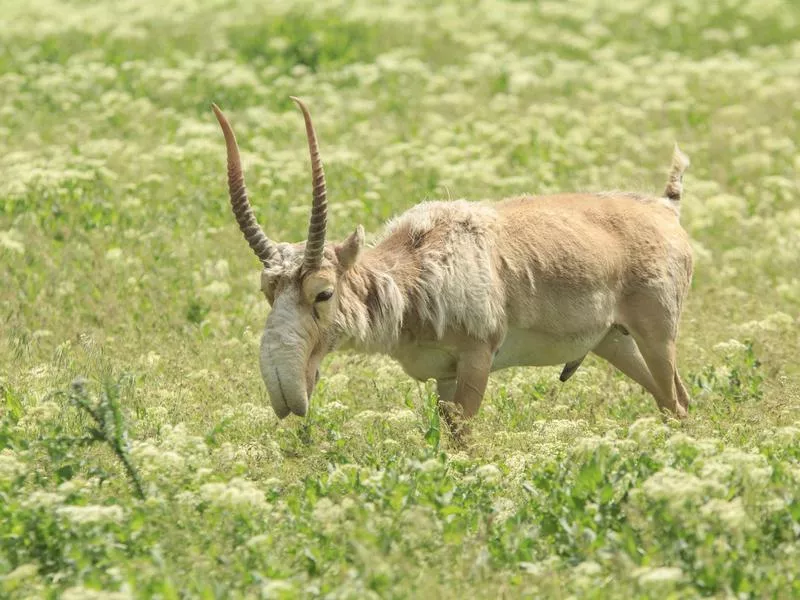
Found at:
[319, 207]
[264, 248]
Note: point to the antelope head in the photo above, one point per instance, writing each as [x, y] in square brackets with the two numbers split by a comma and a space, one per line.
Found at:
[300, 281]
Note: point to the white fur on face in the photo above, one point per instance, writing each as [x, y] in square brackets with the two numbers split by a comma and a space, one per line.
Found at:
[285, 349]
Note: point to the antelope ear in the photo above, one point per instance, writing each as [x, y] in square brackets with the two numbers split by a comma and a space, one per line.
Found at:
[347, 252]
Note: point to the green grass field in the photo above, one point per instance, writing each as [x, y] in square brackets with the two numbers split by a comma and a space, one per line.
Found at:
[121, 267]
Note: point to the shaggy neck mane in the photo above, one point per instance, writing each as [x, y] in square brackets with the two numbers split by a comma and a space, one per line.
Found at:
[434, 269]
[373, 299]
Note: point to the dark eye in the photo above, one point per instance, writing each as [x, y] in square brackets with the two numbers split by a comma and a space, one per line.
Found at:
[324, 296]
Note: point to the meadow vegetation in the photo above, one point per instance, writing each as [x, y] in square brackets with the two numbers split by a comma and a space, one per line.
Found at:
[139, 455]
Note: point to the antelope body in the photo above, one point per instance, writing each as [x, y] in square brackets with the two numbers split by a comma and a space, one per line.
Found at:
[456, 290]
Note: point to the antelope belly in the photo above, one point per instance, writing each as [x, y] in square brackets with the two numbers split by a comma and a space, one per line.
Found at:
[528, 347]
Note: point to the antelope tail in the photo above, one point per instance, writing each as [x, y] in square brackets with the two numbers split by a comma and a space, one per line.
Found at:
[674, 189]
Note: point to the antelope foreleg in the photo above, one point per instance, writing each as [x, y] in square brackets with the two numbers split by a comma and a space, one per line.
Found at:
[472, 375]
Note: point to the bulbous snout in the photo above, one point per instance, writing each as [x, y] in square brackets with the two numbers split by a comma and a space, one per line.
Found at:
[289, 366]
[283, 364]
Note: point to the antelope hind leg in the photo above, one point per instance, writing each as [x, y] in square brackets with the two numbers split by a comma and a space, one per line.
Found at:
[621, 351]
[570, 368]
[654, 327]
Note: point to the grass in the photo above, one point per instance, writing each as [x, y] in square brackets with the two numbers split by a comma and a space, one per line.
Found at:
[121, 268]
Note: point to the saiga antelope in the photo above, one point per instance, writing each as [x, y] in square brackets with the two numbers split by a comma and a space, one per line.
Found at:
[455, 290]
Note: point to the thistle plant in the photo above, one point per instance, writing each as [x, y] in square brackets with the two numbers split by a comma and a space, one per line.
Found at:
[109, 424]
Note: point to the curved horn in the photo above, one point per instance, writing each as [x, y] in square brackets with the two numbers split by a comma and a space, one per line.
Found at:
[263, 247]
[319, 206]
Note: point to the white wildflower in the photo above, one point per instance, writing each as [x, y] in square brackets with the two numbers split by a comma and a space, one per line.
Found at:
[646, 428]
[42, 499]
[10, 467]
[753, 162]
[372, 478]
[258, 540]
[279, 44]
[730, 347]
[337, 382]
[459, 458]
[328, 514]
[503, 509]
[775, 322]
[91, 514]
[187, 498]
[332, 407]
[83, 593]
[238, 493]
[203, 473]
[268, 451]
[587, 570]
[366, 416]
[659, 576]
[588, 445]
[274, 483]
[717, 470]
[276, 588]
[159, 414]
[114, 254]
[729, 513]
[41, 371]
[430, 466]
[678, 488]
[419, 521]
[489, 473]
[679, 441]
[21, 573]
[216, 269]
[44, 412]
[8, 241]
[217, 289]
[154, 460]
[787, 436]
[339, 476]
[752, 467]
[548, 565]
[517, 463]
[772, 505]
[199, 374]
[402, 416]
[726, 205]
[151, 359]
[701, 253]
[561, 430]
[65, 288]
[72, 486]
